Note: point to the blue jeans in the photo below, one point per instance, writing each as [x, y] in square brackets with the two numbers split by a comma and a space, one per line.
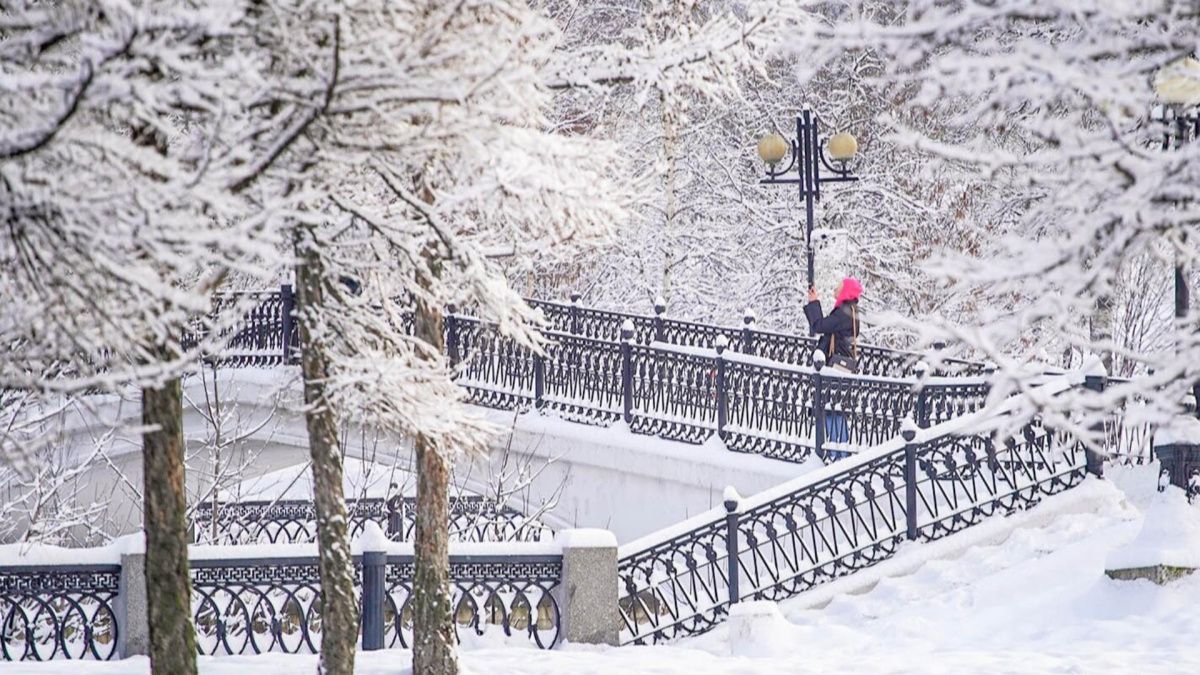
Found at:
[837, 430]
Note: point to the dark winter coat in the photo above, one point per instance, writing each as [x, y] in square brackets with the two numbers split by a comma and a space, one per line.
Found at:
[840, 326]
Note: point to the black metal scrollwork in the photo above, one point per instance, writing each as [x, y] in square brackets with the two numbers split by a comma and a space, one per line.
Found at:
[58, 612]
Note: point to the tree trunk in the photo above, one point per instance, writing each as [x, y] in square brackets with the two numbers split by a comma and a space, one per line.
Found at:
[339, 606]
[433, 615]
[670, 129]
[1102, 330]
[168, 584]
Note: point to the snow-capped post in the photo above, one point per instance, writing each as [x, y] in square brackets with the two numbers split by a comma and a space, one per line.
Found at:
[374, 570]
[660, 309]
[575, 313]
[921, 407]
[287, 325]
[1094, 380]
[818, 359]
[721, 344]
[451, 336]
[908, 431]
[748, 319]
[732, 503]
[588, 596]
[627, 370]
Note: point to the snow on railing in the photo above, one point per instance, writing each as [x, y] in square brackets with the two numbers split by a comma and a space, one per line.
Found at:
[261, 598]
[830, 523]
[674, 379]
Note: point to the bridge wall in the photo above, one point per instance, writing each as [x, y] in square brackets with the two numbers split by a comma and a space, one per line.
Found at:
[594, 476]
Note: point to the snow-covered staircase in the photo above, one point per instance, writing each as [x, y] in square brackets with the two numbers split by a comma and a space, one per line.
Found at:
[880, 515]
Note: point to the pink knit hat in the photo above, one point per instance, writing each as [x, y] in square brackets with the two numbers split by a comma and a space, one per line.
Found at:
[851, 290]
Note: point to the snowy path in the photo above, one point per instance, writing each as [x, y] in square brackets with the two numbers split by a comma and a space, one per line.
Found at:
[1025, 594]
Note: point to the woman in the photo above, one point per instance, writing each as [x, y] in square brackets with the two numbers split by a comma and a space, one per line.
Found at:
[839, 342]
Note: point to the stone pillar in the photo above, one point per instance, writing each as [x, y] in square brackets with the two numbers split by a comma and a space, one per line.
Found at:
[587, 596]
[133, 629]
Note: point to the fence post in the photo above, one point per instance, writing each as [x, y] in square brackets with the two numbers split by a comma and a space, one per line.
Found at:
[921, 408]
[908, 431]
[818, 404]
[575, 313]
[451, 323]
[732, 501]
[627, 370]
[587, 595]
[374, 587]
[133, 626]
[748, 319]
[722, 343]
[539, 380]
[660, 308]
[1095, 380]
[286, 323]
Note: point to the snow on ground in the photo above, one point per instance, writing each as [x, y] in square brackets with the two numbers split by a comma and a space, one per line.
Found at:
[1017, 595]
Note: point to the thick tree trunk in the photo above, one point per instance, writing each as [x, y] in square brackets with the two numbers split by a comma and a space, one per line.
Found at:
[168, 584]
[339, 607]
[433, 615]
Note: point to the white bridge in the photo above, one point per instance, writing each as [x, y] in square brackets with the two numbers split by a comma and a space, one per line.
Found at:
[574, 475]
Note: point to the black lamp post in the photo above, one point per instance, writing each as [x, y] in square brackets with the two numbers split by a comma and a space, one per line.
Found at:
[806, 165]
[1178, 87]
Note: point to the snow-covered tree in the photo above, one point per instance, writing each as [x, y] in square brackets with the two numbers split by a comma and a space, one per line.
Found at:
[1058, 101]
[419, 166]
[716, 242]
[119, 227]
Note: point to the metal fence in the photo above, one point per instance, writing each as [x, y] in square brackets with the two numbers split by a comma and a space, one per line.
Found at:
[263, 605]
[673, 379]
[836, 525]
[268, 334]
[58, 612]
[272, 604]
[689, 394]
[294, 521]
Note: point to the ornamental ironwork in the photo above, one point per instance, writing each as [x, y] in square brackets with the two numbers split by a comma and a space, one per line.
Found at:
[510, 595]
[58, 612]
[257, 606]
[674, 379]
[294, 521]
[835, 525]
[274, 604]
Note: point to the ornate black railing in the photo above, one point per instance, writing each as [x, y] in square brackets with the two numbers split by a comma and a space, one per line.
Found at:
[574, 319]
[294, 521]
[834, 525]
[268, 335]
[674, 379]
[58, 612]
[254, 606]
[689, 394]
